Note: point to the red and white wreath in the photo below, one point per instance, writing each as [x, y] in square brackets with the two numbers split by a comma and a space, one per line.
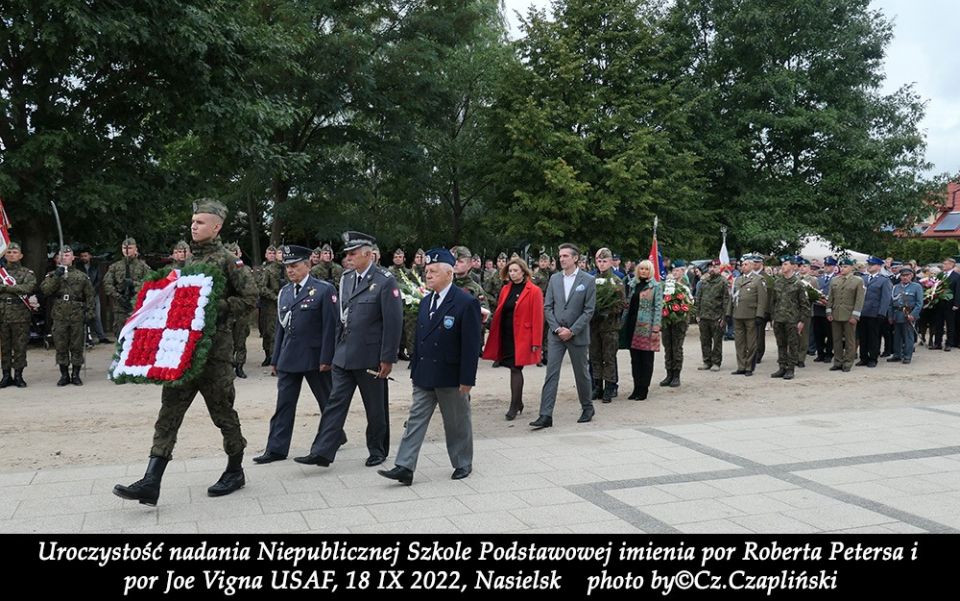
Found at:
[166, 339]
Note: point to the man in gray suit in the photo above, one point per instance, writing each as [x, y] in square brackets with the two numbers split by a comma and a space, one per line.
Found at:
[305, 340]
[568, 306]
[444, 369]
[368, 336]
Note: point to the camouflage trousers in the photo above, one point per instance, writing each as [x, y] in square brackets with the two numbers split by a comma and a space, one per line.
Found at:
[241, 331]
[603, 355]
[761, 339]
[215, 383]
[409, 333]
[119, 318]
[267, 324]
[711, 340]
[672, 337]
[788, 344]
[13, 344]
[68, 340]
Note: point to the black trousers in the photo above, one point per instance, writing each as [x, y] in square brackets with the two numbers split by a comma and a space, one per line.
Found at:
[373, 391]
[886, 333]
[824, 336]
[944, 315]
[868, 333]
[641, 366]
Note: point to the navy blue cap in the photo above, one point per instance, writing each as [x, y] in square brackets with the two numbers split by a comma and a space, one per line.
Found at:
[294, 254]
[874, 261]
[830, 261]
[801, 260]
[616, 257]
[355, 240]
[791, 259]
[439, 255]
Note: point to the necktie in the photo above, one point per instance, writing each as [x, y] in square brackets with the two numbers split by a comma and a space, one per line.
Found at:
[356, 282]
[296, 290]
[433, 304]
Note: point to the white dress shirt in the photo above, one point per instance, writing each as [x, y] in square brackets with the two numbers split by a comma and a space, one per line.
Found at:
[568, 283]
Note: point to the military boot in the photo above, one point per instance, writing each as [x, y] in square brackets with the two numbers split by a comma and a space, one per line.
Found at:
[18, 379]
[64, 376]
[609, 391]
[147, 489]
[75, 377]
[266, 362]
[779, 373]
[597, 390]
[666, 381]
[7, 380]
[239, 371]
[232, 479]
[788, 374]
[675, 380]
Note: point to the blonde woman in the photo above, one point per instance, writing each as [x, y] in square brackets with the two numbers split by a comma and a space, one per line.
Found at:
[641, 328]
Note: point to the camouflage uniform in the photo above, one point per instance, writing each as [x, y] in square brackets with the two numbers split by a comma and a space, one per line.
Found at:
[672, 336]
[215, 382]
[541, 278]
[712, 306]
[604, 337]
[466, 282]
[268, 287]
[243, 321]
[72, 305]
[121, 283]
[15, 318]
[790, 307]
[329, 272]
[762, 328]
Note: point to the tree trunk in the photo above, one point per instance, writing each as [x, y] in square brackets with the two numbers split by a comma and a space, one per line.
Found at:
[281, 191]
[33, 241]
[457, 211]
[254, 223]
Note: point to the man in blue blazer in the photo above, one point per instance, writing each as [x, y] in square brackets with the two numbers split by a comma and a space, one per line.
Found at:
[876, 305]
[443, 369]
[305, 340]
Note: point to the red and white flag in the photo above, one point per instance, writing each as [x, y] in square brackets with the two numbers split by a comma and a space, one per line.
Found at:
[4, 228]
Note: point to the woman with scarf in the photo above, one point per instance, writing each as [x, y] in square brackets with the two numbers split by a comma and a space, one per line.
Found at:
[641, 328]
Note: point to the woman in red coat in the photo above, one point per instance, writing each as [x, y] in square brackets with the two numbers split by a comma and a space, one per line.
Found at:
[517, 329]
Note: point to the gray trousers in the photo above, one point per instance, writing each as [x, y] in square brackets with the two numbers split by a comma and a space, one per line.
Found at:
[457, 426]
[556, 349]
[288, 393]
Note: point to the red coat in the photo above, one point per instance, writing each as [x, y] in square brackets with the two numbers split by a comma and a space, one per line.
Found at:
[527, 326]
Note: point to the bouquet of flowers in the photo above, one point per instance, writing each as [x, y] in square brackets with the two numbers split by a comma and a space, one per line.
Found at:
[168, 336]
[611, 297]
[676, 302]
[936, 289]
[412, 291]
[813, 292]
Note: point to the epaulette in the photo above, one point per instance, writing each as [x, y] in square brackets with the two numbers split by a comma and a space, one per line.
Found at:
[384, 272]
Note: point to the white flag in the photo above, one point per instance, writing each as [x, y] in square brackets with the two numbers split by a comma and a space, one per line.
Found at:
[724, 255]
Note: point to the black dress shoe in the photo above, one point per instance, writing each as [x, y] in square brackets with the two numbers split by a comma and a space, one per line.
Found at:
[586, 415]
[373, 460]
[400, 474]
[739, 372]
[836, 367]
[266, 362]
[544, 421]
[461, 472]
[269, 457]
[313, 460]
[860, 363]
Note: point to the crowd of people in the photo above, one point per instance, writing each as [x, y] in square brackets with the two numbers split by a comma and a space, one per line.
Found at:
[343, 326]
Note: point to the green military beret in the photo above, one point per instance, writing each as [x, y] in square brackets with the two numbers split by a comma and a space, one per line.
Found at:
[181, 245]
[211, 207]
[847, 261]
[13, 246]
[461, 252]
[129, 242]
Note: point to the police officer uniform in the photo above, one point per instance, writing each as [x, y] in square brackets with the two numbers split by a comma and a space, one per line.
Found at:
[306, 337]
[906, 302]
[876, 307]
[371, 318]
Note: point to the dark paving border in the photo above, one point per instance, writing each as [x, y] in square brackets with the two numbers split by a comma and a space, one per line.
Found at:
[597, 493]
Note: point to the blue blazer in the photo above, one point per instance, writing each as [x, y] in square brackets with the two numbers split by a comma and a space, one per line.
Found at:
[306, 327]
[876, 299]
[447, 348]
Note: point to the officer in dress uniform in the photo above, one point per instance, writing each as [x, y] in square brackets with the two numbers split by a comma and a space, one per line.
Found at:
[876, 306]
[749, 307]
[305, 340]
[371, 318]
[445, 355]
[905, 306]
[844, 304]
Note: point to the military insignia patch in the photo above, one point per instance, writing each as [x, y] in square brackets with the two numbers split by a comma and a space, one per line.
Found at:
[372, 286]
[448, 321]
[312, 292]
[333, 297]
[396, 292]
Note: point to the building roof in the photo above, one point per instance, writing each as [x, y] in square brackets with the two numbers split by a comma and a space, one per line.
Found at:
[947, 223]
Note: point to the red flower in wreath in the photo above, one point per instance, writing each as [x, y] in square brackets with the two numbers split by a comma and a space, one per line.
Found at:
[680, 296]
[675, 308]
[667, 297]
[665, 312]
[685, 308]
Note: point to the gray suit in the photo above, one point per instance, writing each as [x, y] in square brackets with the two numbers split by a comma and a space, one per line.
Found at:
[573, 313]
[371, 320]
